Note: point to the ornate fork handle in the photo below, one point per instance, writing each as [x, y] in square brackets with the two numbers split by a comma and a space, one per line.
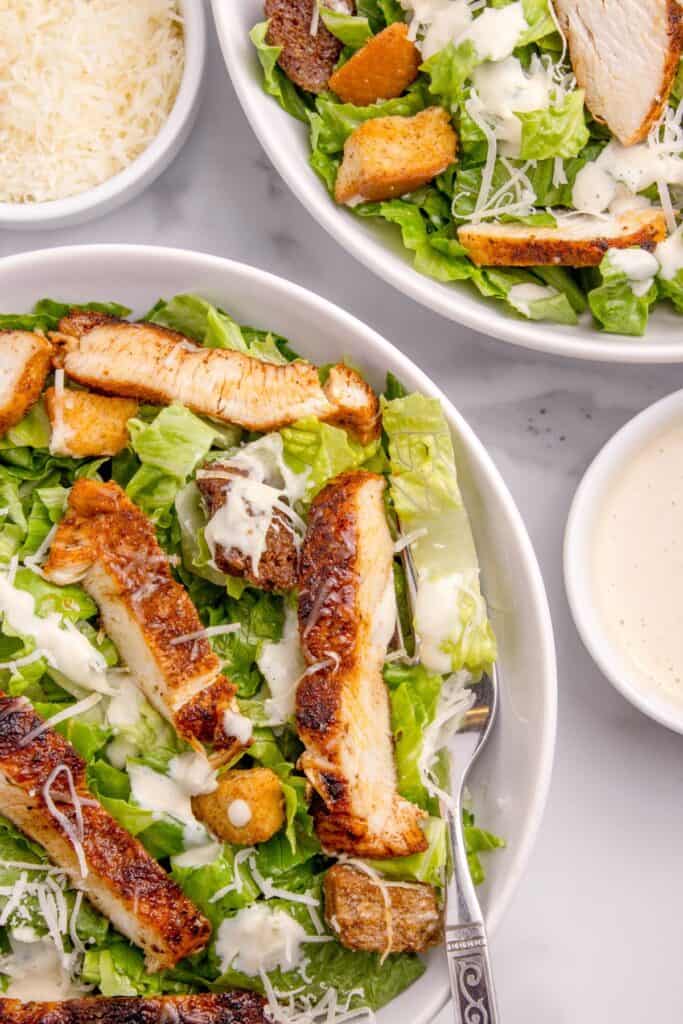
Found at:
[474, 999]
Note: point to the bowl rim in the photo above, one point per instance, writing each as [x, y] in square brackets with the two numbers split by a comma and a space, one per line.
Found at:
[484, 318]
[586, 503]
[61, 211]
[322, 308]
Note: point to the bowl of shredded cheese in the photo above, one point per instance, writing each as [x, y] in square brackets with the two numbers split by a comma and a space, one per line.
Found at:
[96, 99]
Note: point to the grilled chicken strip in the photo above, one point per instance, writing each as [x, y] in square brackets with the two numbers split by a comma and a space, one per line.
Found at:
[157, 365]
[625, 55]
[108, 545]
[356, 910]
[224, 1008]
[347, 613]
[581, 243]
[277, 566]
[43, 791]
[309, 51]
[24, 365]
[84, 424]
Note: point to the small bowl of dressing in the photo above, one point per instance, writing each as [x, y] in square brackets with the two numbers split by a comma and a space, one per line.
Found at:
[623, 561]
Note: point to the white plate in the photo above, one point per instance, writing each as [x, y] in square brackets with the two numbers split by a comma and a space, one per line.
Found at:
[163, 149]
[378, 245]
[588, 501]
[512, 777]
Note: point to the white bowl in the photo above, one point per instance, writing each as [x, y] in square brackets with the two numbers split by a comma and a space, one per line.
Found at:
[579, 535]
[511, 780]
[378, 245]
[128, 183]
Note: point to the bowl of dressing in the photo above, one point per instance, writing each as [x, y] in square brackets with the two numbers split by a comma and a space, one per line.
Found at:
[623, 561]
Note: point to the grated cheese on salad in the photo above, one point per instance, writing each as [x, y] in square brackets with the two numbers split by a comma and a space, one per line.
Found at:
[85, 87]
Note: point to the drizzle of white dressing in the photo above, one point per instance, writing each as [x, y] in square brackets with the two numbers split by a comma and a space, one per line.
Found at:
[239, 813]
[238, 726]
[36, 972]
[670, 255]
[637, 563]
[124, 707]
[161, 795]
[594, 189]
[437, 616]
[522, 296]
[503, 89]
[435, 23]
[258, 939]
[282, 665]
[635, 167]
[639, 266]
[496, 32]
[197, 856]
[192, 772]
[626, 201]
[66, 649]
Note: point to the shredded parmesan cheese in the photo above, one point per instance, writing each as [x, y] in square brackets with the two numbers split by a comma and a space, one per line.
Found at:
[86, 86]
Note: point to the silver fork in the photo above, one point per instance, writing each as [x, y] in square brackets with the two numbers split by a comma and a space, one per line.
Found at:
[467, 953]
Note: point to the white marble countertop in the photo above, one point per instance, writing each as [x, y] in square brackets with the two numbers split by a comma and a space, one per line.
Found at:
[594, 932]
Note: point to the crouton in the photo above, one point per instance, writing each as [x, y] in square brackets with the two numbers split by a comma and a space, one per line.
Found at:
[309, 51]
[381, 70]
[389, 156]
[85, 424]
[24, 365]
[581, 242]
[625, 56]
[356, 910]
[247, 807]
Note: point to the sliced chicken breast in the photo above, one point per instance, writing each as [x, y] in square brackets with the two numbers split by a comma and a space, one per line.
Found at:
[156, 365]
[347, 614]
[43, 791]
[108, 545]
[278, 563]
[24, 366]
[625, 55]
[84, 424]
[380, 916]
[580, 242]
[223, 1008]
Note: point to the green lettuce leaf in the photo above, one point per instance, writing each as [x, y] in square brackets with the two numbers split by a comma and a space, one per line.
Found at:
[615, 305]
[48, 312]
[449, 72]
[414, 693]
[428, 866]
[352, 30]
[451, 621]
[557, 131]
[323, 451]
[380, 13]
[477, 841]
[275, 81]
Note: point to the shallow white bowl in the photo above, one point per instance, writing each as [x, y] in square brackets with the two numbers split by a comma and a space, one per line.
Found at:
[128, 183]
[378, 245]
[511, 780]
[579, 534]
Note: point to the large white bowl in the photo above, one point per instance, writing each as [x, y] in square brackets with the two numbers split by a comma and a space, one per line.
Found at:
[511, 780]
[586, 509]
[129, 182]
[378, 245]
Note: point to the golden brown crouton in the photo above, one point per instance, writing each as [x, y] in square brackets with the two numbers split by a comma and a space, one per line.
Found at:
[356, 911]
[247, 807]
[381, 70]
[389, 156]
[24, 365]
[309, 51]
[86, 424]
[581, 242]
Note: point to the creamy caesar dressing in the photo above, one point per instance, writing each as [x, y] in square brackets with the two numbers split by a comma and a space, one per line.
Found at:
[522, 296]
[123, 710]
[237, 726]
[504, 89]
[198, 856]
[282, 665]
[496, 32]
[259, 939]
[637, 563]
[239, 813]
[670, 255]
[594, 189]
[193, 773]
[438, 615]
[161, 795]
[65, 647]
[636, 167]
[436, 23]
[36, 972]
[639, 266]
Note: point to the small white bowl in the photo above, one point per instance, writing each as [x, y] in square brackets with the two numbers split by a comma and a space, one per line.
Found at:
[579, 534]
[377, 244]
[509, 783]
[128, 183]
